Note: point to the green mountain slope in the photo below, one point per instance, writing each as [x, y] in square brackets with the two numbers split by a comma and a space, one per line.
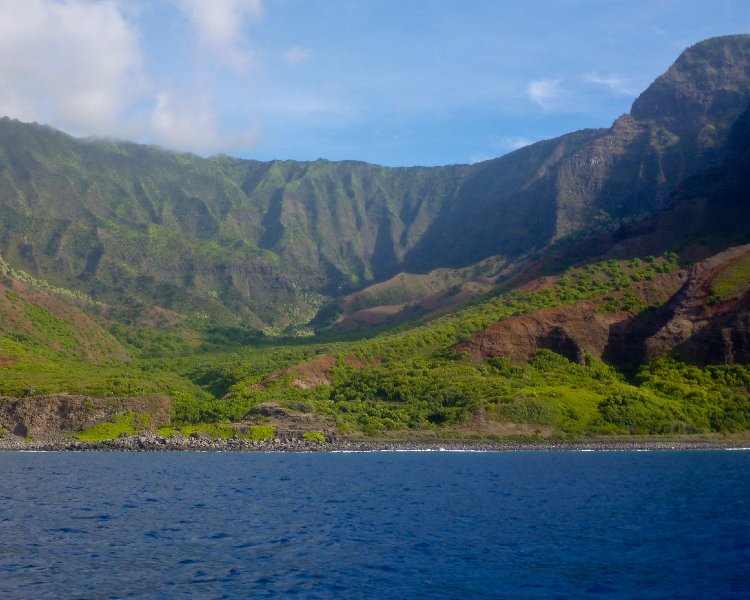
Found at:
[268, 244]
[580, 286]
[226, 238]
[588, 182]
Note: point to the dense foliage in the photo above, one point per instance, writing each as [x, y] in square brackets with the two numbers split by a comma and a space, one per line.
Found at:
[268, 244]
[131, 271]
[405, 379]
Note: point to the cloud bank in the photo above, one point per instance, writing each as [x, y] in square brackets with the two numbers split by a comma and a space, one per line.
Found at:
[219, 27]
[190, 121]
[76, 64]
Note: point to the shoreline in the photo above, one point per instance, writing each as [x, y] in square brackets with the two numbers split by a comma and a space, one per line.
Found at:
[155, 443]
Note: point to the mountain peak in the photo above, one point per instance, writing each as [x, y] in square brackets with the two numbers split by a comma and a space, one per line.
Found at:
[708, 80]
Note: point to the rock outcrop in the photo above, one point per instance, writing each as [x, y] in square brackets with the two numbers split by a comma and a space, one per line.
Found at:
[571, 331]
[705, 327]
[49, 415]
[706, 320]
[290, 424]
[306, 375]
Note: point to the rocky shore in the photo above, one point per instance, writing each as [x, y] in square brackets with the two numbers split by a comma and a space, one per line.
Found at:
[152, 442]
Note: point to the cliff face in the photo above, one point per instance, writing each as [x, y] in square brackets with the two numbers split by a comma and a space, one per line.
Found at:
[703, 93]
[40, 416]
[708, 320]
[677, 127]
[573, 330]
[269, 243]
[591, 181]
[704, 317]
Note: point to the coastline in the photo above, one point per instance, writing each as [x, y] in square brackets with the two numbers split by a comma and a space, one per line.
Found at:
[156, 443]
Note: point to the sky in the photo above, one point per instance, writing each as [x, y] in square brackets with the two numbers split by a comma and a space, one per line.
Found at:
[393, 82]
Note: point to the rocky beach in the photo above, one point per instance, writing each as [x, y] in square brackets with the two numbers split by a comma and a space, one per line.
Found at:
[149, 442]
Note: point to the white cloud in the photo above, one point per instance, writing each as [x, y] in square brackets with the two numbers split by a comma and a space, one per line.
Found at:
[189, 122]
[546, 93]
[73, 64]
[616, 85]
[511, 142]
[297, 55]
[77, 65]
[219, 26]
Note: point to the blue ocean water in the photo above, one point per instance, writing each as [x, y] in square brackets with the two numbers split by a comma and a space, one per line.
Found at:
[375, 525]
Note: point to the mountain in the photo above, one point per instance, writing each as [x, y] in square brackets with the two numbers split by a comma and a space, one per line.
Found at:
[592, 284]
[234, 240]
[268, 244]
[596, 179]
[622, 195]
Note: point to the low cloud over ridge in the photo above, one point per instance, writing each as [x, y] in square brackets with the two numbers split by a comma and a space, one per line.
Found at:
[76, 65]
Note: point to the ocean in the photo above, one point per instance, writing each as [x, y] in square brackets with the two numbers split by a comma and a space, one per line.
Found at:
[375, 525]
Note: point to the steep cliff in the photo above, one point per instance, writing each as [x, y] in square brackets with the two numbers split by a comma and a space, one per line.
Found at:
[702, 315]
[269, 244]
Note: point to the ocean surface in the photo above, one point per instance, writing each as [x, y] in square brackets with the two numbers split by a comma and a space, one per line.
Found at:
[375, 525]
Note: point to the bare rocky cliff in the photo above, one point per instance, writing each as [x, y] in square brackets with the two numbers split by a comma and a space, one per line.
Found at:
[704, 317]
[51, 415]
[708, 320]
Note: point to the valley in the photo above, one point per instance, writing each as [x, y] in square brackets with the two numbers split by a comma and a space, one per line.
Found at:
[592, 286]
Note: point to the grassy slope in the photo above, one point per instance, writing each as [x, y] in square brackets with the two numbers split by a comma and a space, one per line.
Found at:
[408, 379]
[268, 243]
[404, 378]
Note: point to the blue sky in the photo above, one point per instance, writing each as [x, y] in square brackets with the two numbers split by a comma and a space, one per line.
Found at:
[418, 82]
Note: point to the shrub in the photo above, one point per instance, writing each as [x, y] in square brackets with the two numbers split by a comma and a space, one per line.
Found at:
[262, 432]
[128, 423]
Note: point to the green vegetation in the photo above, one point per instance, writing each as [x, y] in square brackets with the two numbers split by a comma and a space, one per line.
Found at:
[128, 424]
[134, 229]
[262, 432]
[130, 271]
[731, 282]
[314, 436]
[222, 431]
[50, 327]
[409, 378]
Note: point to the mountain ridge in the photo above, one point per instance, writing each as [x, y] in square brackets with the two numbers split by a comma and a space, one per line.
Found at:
[270, 244]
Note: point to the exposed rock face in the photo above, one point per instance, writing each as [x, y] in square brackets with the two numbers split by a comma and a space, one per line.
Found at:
[305, 376]
[571, 331]
[134, 226]
[267, 409]
[39, 416]
[289, 424]
[692, 323]
[699, 328]
[697, 87]
[584, 181]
